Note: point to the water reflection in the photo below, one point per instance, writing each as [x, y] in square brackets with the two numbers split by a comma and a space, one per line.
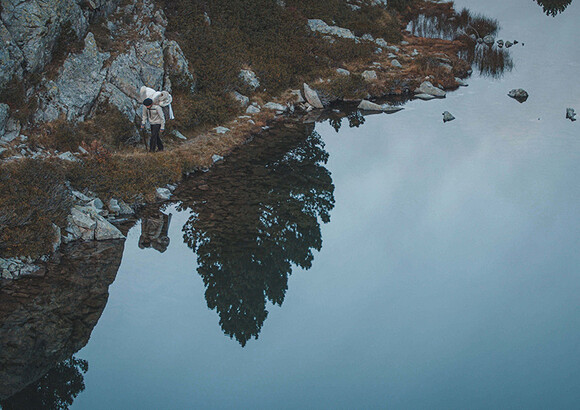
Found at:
[255, 216]
[553, 7]
[55, 390]
[45, 320]
[490, 60]
[154, 232]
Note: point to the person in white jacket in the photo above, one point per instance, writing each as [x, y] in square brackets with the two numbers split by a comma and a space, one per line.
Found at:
[154, 114]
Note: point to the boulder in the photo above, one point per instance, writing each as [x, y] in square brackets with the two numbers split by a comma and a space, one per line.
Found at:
[106, 231]
[312, 97]
[428, 88]
[519, 94]
[321, 27]
[447, 116]
[81, 219]
[369, 75]
[369, 106]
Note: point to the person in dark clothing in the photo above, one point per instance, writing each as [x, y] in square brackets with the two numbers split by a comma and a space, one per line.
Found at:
[154, 114]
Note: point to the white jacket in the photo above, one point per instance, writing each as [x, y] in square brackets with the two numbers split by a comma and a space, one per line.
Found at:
[154, 115]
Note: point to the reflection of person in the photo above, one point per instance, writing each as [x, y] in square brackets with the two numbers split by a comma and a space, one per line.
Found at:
[154, 232]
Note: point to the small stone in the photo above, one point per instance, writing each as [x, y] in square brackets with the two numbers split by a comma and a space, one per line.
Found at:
[179, 135]
[395, 63]
[369, 75]
[519, 94]
[275, 106]
[242, 99]
[253, 109]
[508, 44]
[83, 151]
[404, 43]
[381, 42]
[342, 71]
[114, 206]
[447, 116]
[221, 130]
[215, 158]
[68, 156]
[163, 194]
[425, 97]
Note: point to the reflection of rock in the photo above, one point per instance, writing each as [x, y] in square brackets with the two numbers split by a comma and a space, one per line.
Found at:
[254, 216]
[553, 7]
[44, 320]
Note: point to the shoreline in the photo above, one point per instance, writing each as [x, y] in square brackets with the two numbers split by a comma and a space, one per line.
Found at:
[383, 81]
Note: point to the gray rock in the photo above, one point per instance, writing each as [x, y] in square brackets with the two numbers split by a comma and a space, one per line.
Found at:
[367, 37]
[125, 209]
[221, 130]
[428, 88]
[342, 71]
[275, 106]
[489, 40]
[391, 109]
[508, 44]
[163, 194]
[381, 42]
[179, 135]
[312, 97]
[296, 96]
[56, 238]
[519, 94]
[4, 114]
[369, 106]
[68, 156]
[369, 75]
[176, 65]
[395, 63]
[80, 80]
[114, 207]
[321, 27]
[571, 114]
[253, 109]
[415, 53]
[80, 196]
[81, 220]
[242, 99]
[11, 57]
[106, 230]
[394, 49]
[403, 43]
[215, 158]
[96, 204]
[447, 116]
[11, 130]
[425, 97]
[250, 78]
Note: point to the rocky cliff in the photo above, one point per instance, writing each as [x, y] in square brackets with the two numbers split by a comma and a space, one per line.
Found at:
[130, 50]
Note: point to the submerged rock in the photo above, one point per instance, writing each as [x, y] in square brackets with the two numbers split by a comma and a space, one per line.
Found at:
[519, 94]
[429, 89]
[571, 114]
[447, 116]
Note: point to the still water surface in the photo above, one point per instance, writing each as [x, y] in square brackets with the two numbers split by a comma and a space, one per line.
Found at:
[417, 264]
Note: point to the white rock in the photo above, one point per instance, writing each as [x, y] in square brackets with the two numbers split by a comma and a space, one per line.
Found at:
[221, 130]
[215, 158]
[321, 27]
[428, 88]
[343, 72]
[114, 206]
[275, 106]
[253, 109]
[163, 193]
[369, 75]
[250, 78]
[395, 63]
[312, 97]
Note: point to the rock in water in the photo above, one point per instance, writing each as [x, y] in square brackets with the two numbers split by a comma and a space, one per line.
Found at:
[571, 114]
[106, 230]
[312, 97]
[369, 106]
[429, 89]
[447, 116]
[518, 94]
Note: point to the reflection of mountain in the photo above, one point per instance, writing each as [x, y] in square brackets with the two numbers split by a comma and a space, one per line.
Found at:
[252, 218]
[553, 7]
[44, 320]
